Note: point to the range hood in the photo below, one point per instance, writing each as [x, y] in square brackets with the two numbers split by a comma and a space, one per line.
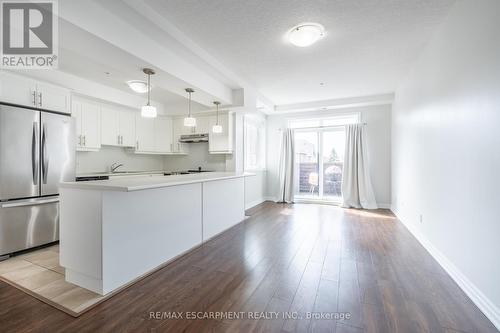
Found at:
[194, 138]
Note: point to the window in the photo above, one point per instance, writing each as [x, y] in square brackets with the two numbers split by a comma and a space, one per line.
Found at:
[255, 143]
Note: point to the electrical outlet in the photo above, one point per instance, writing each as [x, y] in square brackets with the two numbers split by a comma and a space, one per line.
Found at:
[421, 218]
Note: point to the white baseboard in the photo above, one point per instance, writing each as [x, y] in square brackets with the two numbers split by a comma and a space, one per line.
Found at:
[490, 310]
[384, 205]
[251, 204]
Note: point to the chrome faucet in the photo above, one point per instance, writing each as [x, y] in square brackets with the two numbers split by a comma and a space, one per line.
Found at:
[115, 166]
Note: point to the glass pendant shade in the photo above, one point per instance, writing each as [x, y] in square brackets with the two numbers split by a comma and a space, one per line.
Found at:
[217, 129]
[148, 111]
[190, 122]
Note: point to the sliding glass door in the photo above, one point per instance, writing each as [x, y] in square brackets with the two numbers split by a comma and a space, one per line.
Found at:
[319, 161]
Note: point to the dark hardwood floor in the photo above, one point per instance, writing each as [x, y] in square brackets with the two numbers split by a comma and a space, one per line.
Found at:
[285, 259]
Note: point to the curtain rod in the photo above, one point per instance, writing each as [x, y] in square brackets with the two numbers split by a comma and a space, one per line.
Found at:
[334, 126]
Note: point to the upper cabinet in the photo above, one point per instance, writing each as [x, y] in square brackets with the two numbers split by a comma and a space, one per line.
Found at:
[88, 125]
[221, 143]
[178, 130]
[117, 127]
[202, 125]
[53, 98]
[24, 91]
[145, 134]
[163, 135]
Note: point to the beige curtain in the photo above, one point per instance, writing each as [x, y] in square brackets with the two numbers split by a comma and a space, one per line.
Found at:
[357, 191]
[286, 167]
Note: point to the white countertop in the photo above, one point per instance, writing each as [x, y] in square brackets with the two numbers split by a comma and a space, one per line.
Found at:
[136, 183]
[122, 173]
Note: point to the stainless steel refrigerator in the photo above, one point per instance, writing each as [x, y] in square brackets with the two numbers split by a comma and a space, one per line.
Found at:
[37, 151]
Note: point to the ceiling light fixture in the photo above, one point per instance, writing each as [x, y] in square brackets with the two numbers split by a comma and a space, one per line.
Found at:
[138, 86]
[306, 34]
[217, 128]
[148, 110]
[189, 121]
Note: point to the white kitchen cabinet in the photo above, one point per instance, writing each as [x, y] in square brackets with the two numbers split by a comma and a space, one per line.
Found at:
[127, 128]
[221, 143]
[117, 127]
[17, 89]
[53, 98]
[202, 125]
[179, 129]
[163, 135]
[21, 90]
[144, 134]
[110, 127]
[88, 125]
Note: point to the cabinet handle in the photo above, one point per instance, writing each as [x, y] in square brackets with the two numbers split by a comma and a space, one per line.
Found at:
[137, 145]
[171, 146]
[121, 139]
[118, 138]
[84, 141]
[79, 140]
[34, 98]
[40, 99]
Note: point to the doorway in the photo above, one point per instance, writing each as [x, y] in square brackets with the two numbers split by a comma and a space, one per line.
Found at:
[319, 164]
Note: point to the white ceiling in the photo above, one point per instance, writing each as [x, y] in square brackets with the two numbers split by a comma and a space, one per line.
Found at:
[369, 47]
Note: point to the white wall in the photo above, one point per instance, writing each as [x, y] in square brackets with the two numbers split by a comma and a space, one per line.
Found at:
[446, 150]
[88, 162]
[378, 119]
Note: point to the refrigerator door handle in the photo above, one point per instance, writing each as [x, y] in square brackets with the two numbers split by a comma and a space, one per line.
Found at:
[45, 158]
[34, 153]
[30, 202]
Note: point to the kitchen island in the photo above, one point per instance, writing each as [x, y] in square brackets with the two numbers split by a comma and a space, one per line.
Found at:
[113, 232]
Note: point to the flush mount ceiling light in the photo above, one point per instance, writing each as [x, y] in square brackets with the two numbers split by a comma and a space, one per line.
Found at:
[138, 86]
[148, 110]
[189, 121]
[217, 128]
[306, 34]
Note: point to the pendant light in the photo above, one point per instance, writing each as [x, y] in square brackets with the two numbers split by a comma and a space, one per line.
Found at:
[189, 121]
[217, 128]
[148, 110]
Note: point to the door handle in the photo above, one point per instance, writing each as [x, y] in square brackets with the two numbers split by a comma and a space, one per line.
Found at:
[40, 99]
[45, 158]
[29, 203]
[34, 153]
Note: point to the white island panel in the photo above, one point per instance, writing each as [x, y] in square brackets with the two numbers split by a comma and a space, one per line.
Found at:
[80, 232]
[223, 205]
[145, 229]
